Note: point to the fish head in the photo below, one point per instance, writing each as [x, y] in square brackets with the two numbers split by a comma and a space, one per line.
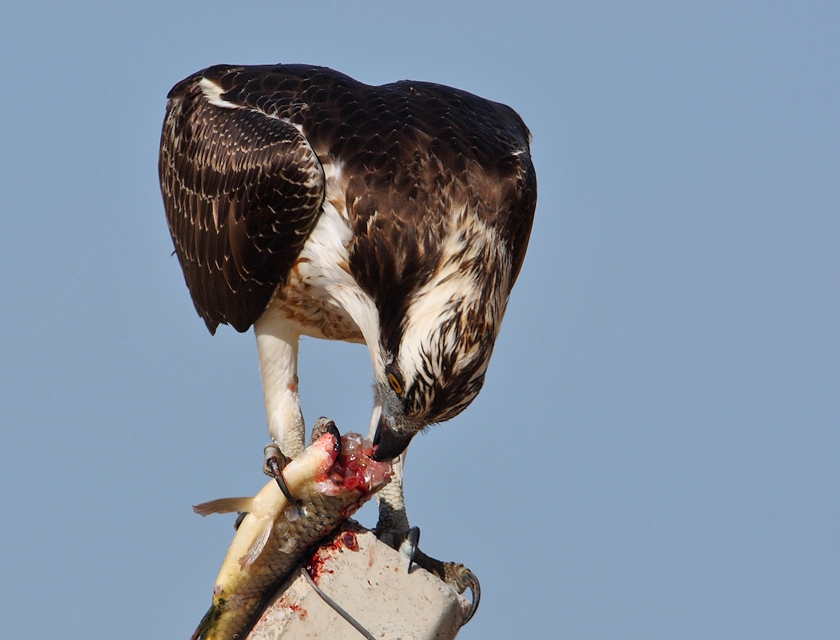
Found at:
[353, 471]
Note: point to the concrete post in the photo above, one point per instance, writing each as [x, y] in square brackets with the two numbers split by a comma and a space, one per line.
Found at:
[369, 580]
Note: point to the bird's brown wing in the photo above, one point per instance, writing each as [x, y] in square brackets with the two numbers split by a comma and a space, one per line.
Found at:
[242, 190]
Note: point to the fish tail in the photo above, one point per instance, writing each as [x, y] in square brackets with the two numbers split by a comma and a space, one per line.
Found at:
[208, 622]
[224, 505]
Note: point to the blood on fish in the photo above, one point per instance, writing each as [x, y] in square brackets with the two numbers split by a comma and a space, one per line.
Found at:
[349, 510]
[354, 470]
[350, 476]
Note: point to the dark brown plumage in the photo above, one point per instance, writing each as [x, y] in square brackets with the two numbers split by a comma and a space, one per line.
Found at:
[241, 198]
[303, 202]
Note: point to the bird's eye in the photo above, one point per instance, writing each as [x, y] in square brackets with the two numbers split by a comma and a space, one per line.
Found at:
[395, 383]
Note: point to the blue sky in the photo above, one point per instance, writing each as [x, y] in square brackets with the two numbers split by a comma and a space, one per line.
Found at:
[654, 454]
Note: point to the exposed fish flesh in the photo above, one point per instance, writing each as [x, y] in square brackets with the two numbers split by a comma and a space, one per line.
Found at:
[275, 535]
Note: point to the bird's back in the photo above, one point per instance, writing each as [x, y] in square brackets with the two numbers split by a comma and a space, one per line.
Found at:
[398, 160]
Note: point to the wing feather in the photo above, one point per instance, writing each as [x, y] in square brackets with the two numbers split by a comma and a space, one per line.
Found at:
[242, 191]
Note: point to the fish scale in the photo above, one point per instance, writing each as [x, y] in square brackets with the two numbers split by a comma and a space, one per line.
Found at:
[275, 536]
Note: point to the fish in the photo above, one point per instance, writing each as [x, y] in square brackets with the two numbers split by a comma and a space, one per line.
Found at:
[330, 479]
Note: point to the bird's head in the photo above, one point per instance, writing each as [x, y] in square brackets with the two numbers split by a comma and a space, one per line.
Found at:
[411, 399]
[434, 366]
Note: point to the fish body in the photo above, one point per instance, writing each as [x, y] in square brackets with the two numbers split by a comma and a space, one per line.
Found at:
[275, 535]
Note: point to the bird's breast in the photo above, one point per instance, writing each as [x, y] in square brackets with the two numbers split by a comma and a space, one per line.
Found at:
[320, 296]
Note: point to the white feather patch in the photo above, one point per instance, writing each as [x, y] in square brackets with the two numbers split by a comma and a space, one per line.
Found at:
[450, 292]
[323, 266]
[213, 93]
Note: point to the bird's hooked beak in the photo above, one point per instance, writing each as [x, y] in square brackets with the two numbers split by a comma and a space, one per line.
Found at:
[389, 443]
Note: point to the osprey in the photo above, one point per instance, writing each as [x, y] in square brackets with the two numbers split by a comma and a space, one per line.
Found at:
[303, 202]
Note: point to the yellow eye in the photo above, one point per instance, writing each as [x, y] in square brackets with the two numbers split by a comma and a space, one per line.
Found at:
[395, 383]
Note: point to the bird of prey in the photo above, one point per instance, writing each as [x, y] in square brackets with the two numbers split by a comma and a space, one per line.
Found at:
[302, 202]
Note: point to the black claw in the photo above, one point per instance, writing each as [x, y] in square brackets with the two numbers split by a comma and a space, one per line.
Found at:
[413, 541]
[454, 574]
[277, 473]
[239, 518]
[471, 583]
[278, 477]
[333, 431]
[325, 425]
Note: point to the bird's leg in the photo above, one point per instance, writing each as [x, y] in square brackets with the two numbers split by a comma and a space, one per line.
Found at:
[393, 526]
[275, 461]
[393, 529]
[454, 574]
[277, 346]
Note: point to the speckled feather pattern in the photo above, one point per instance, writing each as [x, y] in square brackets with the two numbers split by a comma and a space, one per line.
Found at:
[234, 609]
[431, 180]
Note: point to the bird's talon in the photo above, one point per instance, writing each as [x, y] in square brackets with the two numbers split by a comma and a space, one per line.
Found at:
[239, 518]
[275, 462]
[454, 574]
[273, 458]
[325, 425]
[409, 546]
[468, 580]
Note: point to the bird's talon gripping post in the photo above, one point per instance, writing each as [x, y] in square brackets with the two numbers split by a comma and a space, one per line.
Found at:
[273, 459]
[470, 581]
[410, 546]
